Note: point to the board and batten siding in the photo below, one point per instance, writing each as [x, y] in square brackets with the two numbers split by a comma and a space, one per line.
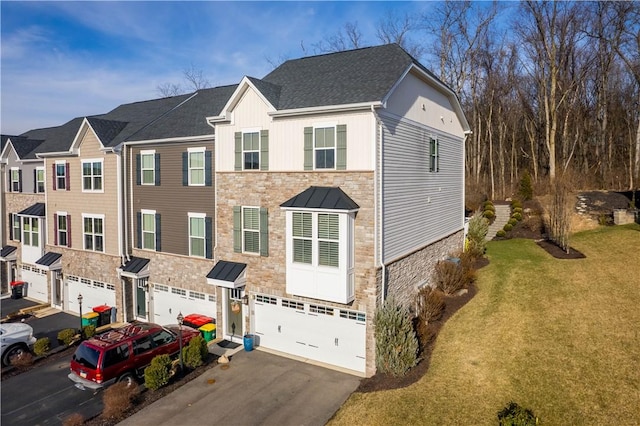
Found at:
[419, 207]
[171, 199]
[286, 136]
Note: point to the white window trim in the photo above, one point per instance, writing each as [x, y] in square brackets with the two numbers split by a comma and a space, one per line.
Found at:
[243, 229]
[44, 180]
[31, 232]
[57, 225]
[92, 160]
[202, 216]
[104, 232]
[342, 240]
[64, 176]
[11, 181]
[334, 125]
[436, 169]
[204, 166]
[151, 152]
[17, 236]
[252, 130]
[142, 231]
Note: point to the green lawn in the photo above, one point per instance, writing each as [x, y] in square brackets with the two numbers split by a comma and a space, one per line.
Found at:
[561, 337]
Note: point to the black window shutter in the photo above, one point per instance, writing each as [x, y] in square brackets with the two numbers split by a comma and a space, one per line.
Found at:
[11, 226]
[158, 238]
[208, 170]
[138, 169]
[53, 178]
[20, 180]
[156, 164]
[55, 229]
[35, 181]
[139, 230]
[185, 169]
[208, 229]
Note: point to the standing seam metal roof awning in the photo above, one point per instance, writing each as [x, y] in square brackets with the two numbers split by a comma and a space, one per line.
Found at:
[38, 209]
[323, 198]
[227, 274]
[8, 253]
[136, 267]
[50, 261]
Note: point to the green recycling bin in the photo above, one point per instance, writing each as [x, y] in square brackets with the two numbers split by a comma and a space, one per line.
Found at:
[90, 318]
[208, 332]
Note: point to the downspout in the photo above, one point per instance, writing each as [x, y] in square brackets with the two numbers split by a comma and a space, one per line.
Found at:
[378, 203]
[215, 193]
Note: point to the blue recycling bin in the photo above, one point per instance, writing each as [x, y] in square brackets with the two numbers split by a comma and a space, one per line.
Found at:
[248, 342]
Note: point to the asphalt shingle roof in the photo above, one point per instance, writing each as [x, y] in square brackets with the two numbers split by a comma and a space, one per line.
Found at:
[353, 76]
[106, 130]
[321, 197]
[25, 148]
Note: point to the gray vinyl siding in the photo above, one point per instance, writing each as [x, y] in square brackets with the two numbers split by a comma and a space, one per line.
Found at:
[418, 207]
[171, 200]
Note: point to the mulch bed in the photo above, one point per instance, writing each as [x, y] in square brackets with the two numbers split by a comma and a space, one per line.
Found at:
[556, 251]
[382, 381]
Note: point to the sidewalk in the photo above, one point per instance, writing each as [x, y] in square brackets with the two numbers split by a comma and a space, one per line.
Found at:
[256, 388]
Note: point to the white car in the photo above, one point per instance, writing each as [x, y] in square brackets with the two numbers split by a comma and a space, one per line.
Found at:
[17, 338]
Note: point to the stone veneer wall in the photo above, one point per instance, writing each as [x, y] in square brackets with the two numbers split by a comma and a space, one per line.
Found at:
[267, 275]
[406, 274]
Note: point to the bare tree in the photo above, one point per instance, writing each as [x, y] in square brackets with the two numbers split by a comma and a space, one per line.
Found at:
[348, 37]
[395, 29]
[194, 80]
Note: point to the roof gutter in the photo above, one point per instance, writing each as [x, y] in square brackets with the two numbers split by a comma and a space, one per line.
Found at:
[55, 154]
[326, 109]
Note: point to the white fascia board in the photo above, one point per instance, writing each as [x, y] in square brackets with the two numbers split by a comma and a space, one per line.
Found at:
[170, 140]
[318, 210]
[4, 155]
[326, 109]
[226, 113]
[56, 154]
[83, 128]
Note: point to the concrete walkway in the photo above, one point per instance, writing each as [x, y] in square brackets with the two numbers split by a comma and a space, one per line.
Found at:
[256, 388]
[503, 213]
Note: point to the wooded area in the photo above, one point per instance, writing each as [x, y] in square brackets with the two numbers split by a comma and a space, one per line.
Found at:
[548, 87]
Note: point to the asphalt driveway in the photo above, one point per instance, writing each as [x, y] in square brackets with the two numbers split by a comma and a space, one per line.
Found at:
[257, 388]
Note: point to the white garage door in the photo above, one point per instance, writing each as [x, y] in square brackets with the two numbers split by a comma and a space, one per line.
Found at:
[94, 293]
[168, 302]
[36, 280]
[322, 333]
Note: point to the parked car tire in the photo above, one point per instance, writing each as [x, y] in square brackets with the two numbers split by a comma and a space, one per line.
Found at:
[129, 379]
[13, 351]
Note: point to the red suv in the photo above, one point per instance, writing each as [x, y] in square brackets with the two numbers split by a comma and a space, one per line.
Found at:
[123, 353]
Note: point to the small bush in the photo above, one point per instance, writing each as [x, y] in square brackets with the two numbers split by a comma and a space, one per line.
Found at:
[429, 304]
[194, 354]
[518, 210]
[478, 228]
[515, 415]
[516, 204]
[508, 227]
[65, 336]
[158, 373]
[512, 221]
[534, 224]
[22, 361]
[425, 332]
[75, 419]
[42, 346]
[88, 331]
[517, 216]
[396, 342]
[489, 214]
[449, 277]
[117, 399]
[488, 205]
[501, 233]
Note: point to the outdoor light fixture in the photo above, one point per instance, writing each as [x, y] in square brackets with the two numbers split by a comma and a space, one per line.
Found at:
[80, 305]
[180, 321]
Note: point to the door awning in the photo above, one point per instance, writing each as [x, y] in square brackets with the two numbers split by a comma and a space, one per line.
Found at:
[38, 210]
[50, 261]
[136, 267]
[228, 274]
[8, 253]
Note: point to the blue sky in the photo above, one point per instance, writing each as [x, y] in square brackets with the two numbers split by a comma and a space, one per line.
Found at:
[60, 60]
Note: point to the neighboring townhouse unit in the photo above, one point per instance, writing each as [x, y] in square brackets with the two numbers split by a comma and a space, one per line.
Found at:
[171, 212]
[24, 224]
[339, 182]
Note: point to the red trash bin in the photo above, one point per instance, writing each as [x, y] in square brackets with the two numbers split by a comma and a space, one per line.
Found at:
[17, 289]
[104, 312]
[196, 320]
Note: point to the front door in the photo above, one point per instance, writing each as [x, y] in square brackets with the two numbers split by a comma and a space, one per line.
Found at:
[142, 288]
[233, 314]
[57, 289]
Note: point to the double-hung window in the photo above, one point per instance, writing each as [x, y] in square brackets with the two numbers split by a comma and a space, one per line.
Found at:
[148, 224]
[328, 240]
[60, 175]
[92, 175]
[324, 147]
[39, 180]
[434, 155]
[30, 231]
[15, 219]
[302, 237]
[93, 232]
[251, 150]
[197, 235]
[62, 229]
[251, 229]
[16, 184]
[148, 167]
[196, 166]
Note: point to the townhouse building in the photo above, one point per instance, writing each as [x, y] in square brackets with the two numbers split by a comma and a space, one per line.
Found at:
[289, 207]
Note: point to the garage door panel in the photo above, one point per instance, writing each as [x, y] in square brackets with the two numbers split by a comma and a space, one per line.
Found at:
[37, 287]
[93, 294]
[167, 305]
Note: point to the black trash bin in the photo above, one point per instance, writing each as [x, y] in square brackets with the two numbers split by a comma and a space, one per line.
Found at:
[17, 289]
[104, 312]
